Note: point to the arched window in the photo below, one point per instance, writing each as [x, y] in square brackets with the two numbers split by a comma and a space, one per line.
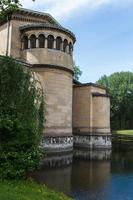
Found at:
[25, 42]
[32, 41]
[65, 44]
[50, 42]
[70, 48]
[58, 43]
[41, 40]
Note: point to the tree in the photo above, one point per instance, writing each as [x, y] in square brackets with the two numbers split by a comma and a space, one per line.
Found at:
[21, 119]
[8, 6]
[120, 87]
[77, 72]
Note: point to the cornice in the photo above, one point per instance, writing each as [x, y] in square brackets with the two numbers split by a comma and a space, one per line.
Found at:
[41, 15]
[89, 84]
[47, 26]
[52, 67]
[96, 94]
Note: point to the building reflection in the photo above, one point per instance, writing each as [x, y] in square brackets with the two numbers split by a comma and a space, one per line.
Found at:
[55, 172]
[91, 169]
[80, 170]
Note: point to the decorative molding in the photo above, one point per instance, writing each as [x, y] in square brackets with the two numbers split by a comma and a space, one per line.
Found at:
[89, 134]
[88, 131]
[97, 94]
[93, 142]
[52, 67]
[57, 143]
[47, 27]
[41, 15]
[88, 84]
[94, 127]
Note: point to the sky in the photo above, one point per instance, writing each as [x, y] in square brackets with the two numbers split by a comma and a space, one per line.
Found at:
[104, 32]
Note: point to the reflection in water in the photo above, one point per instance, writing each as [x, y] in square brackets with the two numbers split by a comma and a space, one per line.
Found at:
[79, 173]
[58, 160]
[58, 179]
[90, 175]
[93, 174]
[122, 160]
[56, 172]
[93, 154]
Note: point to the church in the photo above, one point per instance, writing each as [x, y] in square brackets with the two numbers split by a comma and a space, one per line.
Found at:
[77, 114]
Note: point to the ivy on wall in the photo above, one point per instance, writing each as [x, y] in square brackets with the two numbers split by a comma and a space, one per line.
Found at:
[21, 119]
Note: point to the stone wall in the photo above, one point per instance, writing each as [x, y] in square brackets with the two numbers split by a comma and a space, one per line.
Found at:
[3, 39]
[91, 117]
[91, 109]
[47, 56]
[101, 114]
[57, 86]
[81, 108]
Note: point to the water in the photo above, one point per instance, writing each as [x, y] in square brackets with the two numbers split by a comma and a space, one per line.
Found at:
[90, 175]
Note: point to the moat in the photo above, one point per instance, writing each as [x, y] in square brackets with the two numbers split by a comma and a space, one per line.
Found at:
[90, 175]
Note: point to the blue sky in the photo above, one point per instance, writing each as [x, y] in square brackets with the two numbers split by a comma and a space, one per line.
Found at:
[104, 32]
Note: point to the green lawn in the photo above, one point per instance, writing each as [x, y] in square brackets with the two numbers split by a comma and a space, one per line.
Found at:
[28, 190]
[124, 132]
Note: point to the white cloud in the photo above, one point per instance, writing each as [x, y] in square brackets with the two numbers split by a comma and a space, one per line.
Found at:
[71, 7]
[62, 9]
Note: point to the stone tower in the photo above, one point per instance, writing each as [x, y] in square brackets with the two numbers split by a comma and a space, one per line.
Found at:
[39, 40]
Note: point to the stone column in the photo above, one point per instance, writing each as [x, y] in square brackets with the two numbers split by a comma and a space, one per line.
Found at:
[54, 45]
[22, 45]
[37, 43]
[71, 50]
[28, 43]
[46, 43]
[62, 46]
[67, 49]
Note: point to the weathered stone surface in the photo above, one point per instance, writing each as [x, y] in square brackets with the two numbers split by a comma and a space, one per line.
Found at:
[57, 144]
[91, 113]
[93, 141]
[57, 86]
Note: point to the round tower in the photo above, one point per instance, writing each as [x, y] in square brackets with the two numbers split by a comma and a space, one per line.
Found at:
[49, 49]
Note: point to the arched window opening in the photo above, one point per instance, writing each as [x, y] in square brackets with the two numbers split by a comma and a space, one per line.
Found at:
[70, 48]
[65, 44]
[32, 41]
[25, 42]
[58, 43]
[41, 40]
[50, 42]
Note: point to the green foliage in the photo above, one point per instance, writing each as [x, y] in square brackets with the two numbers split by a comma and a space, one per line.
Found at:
[77, 72]
[21, 119]
[120, 87]
[7, 7]
[28, 190]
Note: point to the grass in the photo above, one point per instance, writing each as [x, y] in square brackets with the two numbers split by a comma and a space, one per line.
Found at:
[124, 132]
[28, 190]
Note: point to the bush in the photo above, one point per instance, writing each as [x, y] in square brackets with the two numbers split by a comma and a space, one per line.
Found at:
[21, 119]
